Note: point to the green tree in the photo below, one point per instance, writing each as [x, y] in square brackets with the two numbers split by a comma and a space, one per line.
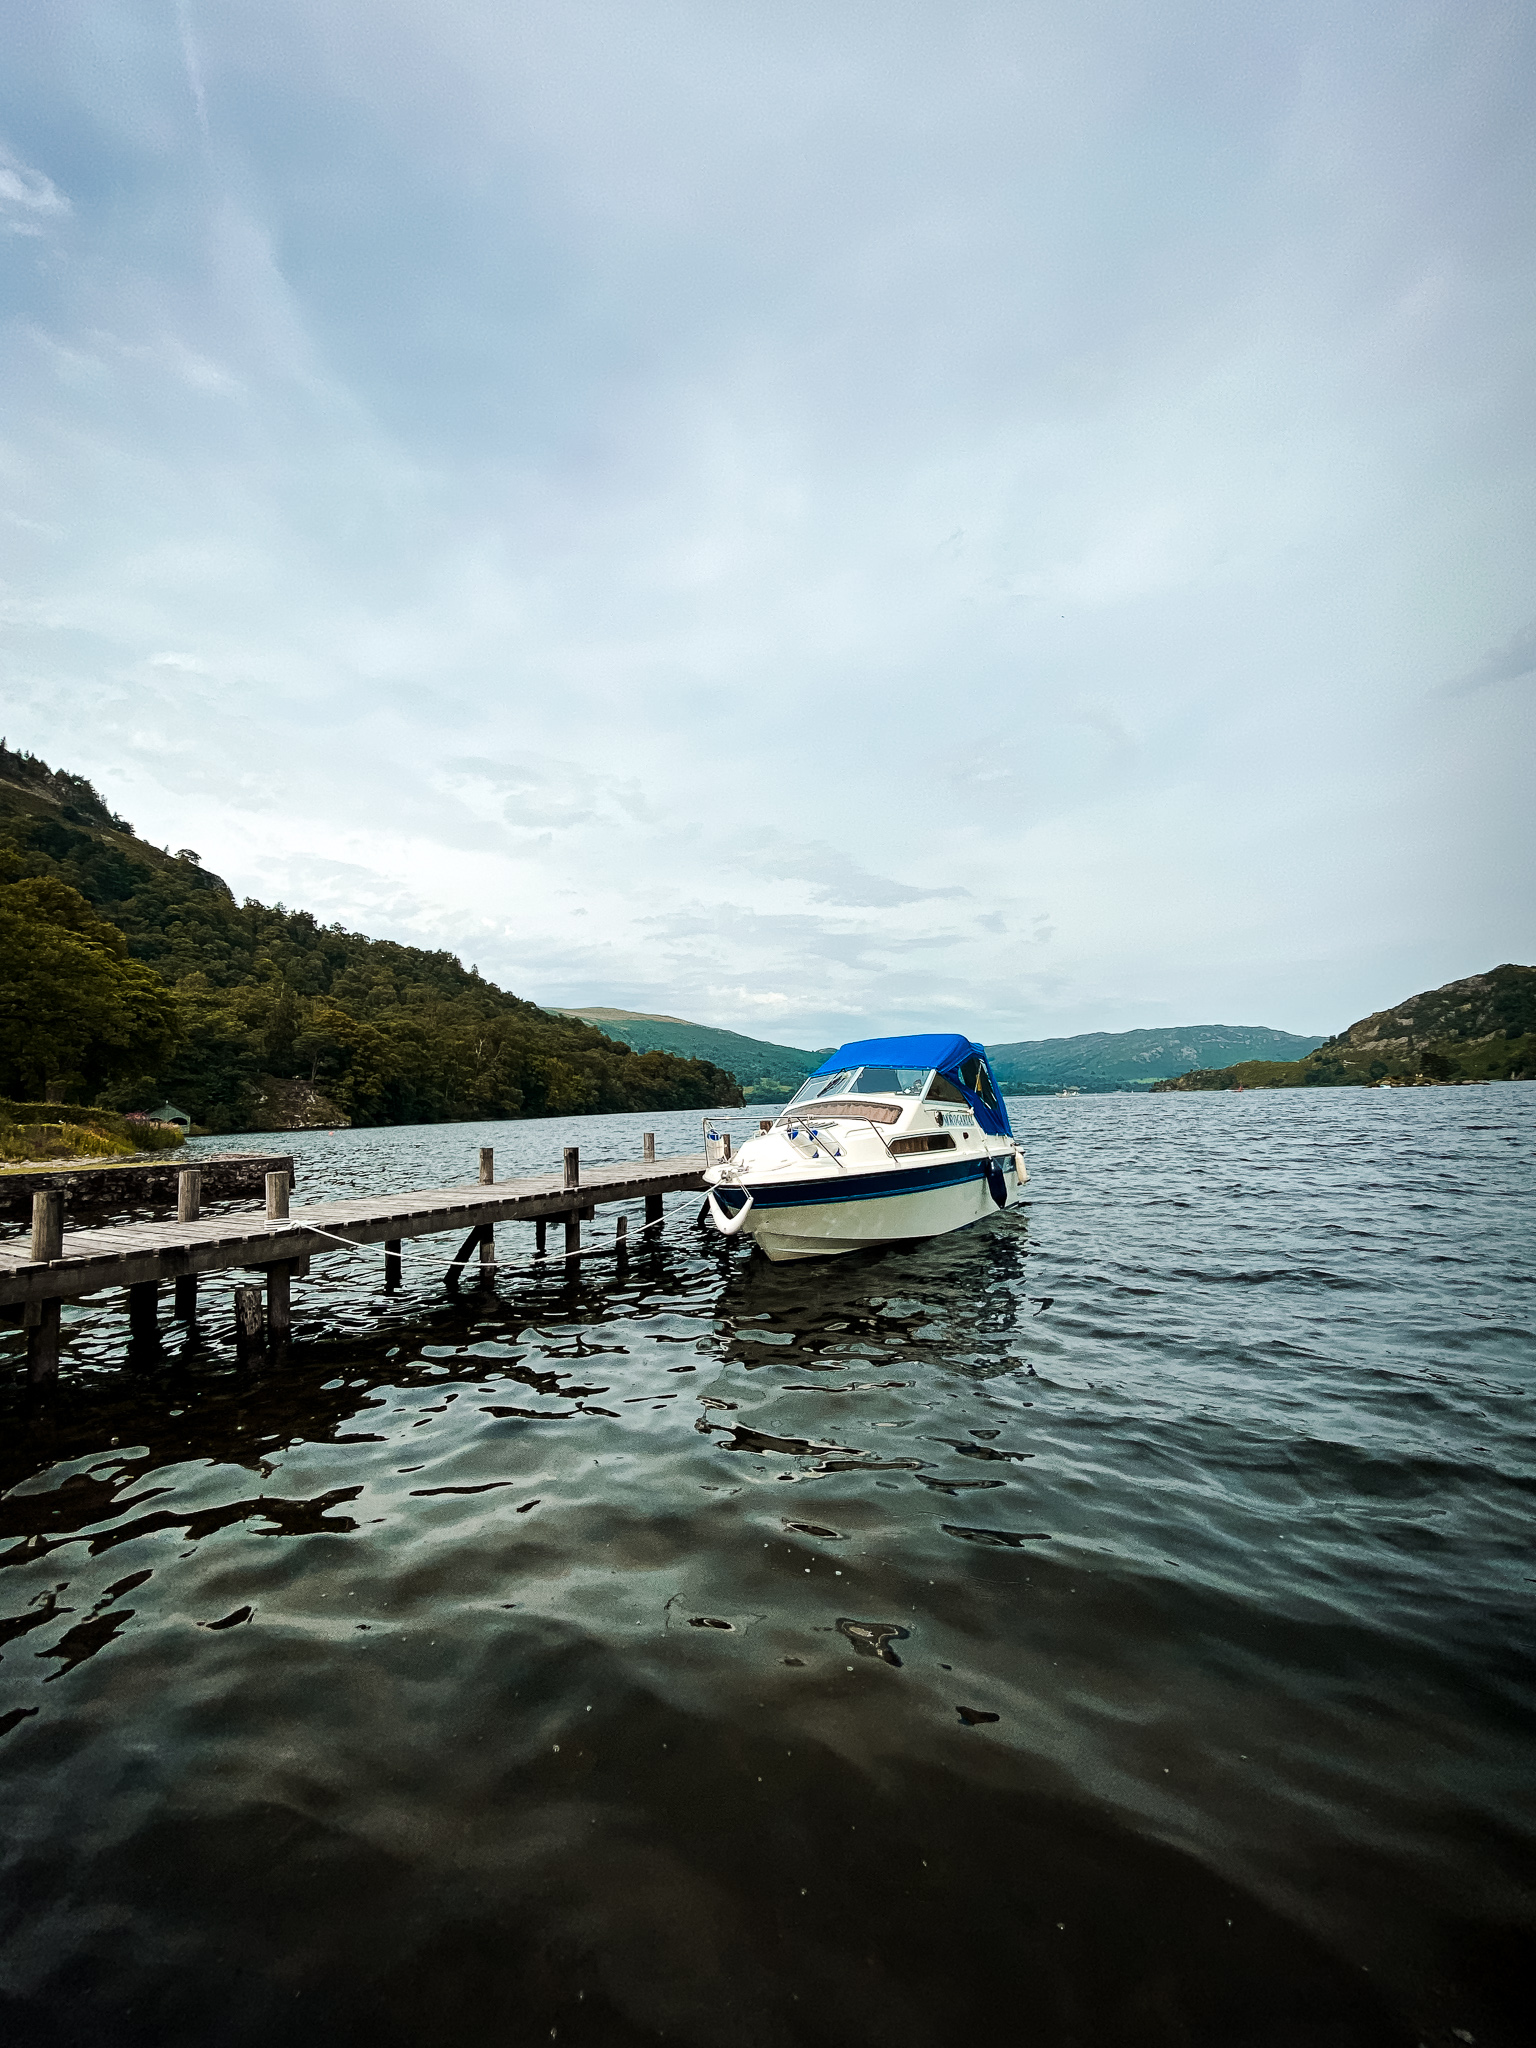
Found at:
[75, 1012]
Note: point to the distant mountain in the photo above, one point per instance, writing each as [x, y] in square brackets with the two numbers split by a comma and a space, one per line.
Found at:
[1480, 1029]
[766, 1072]
[1093, 1061]
[1100, 1061]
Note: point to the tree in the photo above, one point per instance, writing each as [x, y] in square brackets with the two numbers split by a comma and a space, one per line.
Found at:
[75, 1011]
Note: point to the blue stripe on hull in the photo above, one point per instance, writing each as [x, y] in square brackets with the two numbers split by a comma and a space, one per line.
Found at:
[868, 1187]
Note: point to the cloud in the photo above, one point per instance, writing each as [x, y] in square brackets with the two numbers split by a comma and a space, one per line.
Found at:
[830, 875]
[1511, 663]
[29, 200]
[544, 793]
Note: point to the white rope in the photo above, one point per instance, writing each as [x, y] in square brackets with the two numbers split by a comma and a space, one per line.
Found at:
[538, 1262]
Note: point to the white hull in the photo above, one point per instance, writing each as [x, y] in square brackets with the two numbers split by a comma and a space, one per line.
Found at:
[852, 1222]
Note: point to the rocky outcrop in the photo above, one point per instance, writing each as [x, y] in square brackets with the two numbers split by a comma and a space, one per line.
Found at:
[295, 1106]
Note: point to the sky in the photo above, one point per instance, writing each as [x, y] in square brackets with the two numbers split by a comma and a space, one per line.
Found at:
[814, 519]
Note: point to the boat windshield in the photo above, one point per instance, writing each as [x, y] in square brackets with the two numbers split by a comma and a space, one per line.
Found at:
[863, 1081]
[889, 1081]
[823, 1084]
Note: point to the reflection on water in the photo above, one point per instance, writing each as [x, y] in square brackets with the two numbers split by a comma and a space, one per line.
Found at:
[1107, 1625]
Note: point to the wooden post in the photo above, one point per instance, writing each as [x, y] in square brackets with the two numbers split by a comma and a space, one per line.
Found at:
[621, 1237]
[279, 1297]
[47, 1227]
[653, 1210]
[572, 1228]
[277, 1197]
[487, 1249]
[648, 1145]
[487, 1165]
[572, 1167]
[189, 1194]
[186, 1298]
[392, 1267]
[540, 1236]
[248, 1319]
[42, 1337]
[144, 1312]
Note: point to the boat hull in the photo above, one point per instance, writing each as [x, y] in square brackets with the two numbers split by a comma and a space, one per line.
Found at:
[818, 1220]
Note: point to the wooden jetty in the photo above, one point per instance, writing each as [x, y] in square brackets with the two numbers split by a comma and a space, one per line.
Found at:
[138, 1183]
[59, 1265]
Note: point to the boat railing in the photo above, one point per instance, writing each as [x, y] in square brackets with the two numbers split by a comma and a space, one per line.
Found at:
[721, 1138]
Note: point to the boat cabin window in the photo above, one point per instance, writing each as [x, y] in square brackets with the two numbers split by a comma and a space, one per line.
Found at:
[942, 1089]
[824, 1084]
[889, 1081]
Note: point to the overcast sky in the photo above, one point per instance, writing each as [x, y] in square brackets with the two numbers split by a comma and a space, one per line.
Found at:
[808, 517]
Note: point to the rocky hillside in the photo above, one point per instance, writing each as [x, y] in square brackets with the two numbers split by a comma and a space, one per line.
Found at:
[1480, 1029]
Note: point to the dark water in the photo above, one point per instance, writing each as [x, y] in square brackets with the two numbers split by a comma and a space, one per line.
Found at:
[861, 1652]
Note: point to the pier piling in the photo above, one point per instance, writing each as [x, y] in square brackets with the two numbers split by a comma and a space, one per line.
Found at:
[47, 1226]
[248, 1319]
[43, 1317]
[279, 1302]
[144, 1312]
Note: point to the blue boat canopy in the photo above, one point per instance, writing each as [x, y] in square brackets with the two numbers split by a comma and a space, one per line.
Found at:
[957, 1059]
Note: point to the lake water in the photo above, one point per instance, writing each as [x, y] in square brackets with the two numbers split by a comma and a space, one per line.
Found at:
[1108, 1625]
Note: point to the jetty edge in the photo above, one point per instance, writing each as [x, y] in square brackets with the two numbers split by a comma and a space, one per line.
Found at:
[57, 1265]
[109, 1184]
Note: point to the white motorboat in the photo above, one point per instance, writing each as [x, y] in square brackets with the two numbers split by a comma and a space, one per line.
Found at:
[890, 1139]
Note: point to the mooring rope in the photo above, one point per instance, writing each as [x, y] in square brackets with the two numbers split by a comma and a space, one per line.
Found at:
[539, 1261]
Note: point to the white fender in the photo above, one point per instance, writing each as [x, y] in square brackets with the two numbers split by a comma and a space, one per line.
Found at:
[729, 1226]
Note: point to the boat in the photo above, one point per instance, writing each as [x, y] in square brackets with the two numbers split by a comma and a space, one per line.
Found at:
[890, 1139]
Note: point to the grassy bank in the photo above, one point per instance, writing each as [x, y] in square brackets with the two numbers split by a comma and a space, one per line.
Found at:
[32, 1132]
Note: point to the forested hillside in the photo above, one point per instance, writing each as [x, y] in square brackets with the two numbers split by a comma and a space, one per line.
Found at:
[1479, 1029]
[767, 1072]
[129, 975]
